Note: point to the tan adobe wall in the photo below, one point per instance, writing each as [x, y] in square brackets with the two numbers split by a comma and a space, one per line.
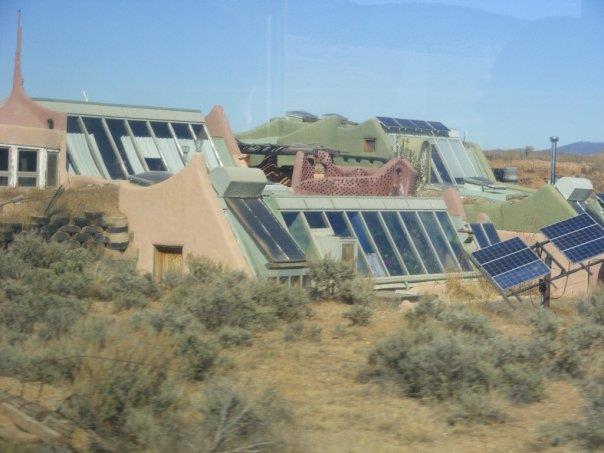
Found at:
[218, 126]
[181, 211]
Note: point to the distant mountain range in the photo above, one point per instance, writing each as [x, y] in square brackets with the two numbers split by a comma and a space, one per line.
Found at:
[577, 148]
[583, 148]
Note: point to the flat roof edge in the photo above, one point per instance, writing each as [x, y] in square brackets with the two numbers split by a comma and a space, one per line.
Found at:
[109, 104]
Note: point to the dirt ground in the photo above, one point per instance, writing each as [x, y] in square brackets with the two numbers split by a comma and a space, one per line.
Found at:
[534, 169]
[334, 412]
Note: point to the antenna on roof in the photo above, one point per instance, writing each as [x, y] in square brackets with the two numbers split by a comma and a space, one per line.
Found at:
[85, 96]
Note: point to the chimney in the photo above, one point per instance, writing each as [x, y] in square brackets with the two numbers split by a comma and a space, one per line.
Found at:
[552, 176]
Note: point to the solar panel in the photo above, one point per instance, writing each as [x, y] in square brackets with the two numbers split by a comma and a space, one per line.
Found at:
[423, 126]
[510, 263]
[388, 123]
[480, 235]
[438, 126]
[406, 124]
[578, 238]
[491, 233]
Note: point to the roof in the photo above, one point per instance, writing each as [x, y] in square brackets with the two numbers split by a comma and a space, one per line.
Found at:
[286, 201]
[122, 110]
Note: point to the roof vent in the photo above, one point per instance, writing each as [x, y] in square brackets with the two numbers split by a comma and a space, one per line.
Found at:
[301, 115]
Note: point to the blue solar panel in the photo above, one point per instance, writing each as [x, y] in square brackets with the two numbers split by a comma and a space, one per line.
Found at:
[498, 250]
[491, 233]
[578, 238]
[510, 263]
[567, 226]
[388, 123]
[480, 235]
[406, 124]
[438, 126]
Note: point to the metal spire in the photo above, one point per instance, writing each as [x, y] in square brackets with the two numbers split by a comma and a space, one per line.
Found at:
[17, 76]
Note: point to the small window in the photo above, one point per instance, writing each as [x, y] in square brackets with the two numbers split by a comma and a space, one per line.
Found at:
[28, 160]
[4, 155]
[27, 167]
[369, 145]
[52, 169]
[51, 123]
[167, 262]
[155, 164]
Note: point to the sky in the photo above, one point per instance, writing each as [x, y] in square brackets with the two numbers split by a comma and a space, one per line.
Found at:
[506, 74]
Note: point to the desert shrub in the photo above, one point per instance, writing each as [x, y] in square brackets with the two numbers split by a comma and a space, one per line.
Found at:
[198, 355]
[119, 281]
[358, 315]
[433, 363]
[203, 270]
[234, 421]
[593, 308]
[475, 408]
[293, 331]
[49, 314]
[228, 298]
[544, 324]
[287, 303]
[522, 384]
[575, 344]
[327, 277]
[134, 373]
[357, 291]
[234, 336]
[425, 309]
[463, 320]
[171, 318]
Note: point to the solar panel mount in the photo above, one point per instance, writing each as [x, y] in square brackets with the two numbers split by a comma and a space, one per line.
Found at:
[578, 238]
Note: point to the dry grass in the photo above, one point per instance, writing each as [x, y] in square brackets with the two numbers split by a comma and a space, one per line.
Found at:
[533, 171]
[335, 412]
[71, 202]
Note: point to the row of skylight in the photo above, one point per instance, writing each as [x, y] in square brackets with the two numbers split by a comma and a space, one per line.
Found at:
[394, 243]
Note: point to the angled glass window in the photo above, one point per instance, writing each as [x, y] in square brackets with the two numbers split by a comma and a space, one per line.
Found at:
[268, 233]
[440, 167]
[4, 166]
[146, 145]
[404, 246]
[52, 168]
[362, 235]
[315, 219]
[78, 151]
[460, 253]
[421, 242]
[381, 241]
[451, 160]
[289, 217]
[99, 139]
[167, 146]
[338, 224]
[462, 156]
[479, 235]
[441, 245]
[198, 131]
[185, 139]
[120, 135]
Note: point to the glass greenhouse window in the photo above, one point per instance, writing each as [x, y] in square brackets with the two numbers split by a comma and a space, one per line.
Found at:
[267, 232]
[315, 219]
[421, 242]
[451, 160]
[363, 237]
[453, 239]
[119, 134]
[338, 224]
[464, 159]
[382, 242]
[441, 245]
[95, 129]
[403, 244]
[440, 167]
[289, 217]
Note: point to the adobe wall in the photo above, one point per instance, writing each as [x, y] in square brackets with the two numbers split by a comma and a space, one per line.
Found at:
[181, 211]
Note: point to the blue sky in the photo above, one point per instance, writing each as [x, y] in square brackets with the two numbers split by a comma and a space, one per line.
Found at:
[508, 73]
